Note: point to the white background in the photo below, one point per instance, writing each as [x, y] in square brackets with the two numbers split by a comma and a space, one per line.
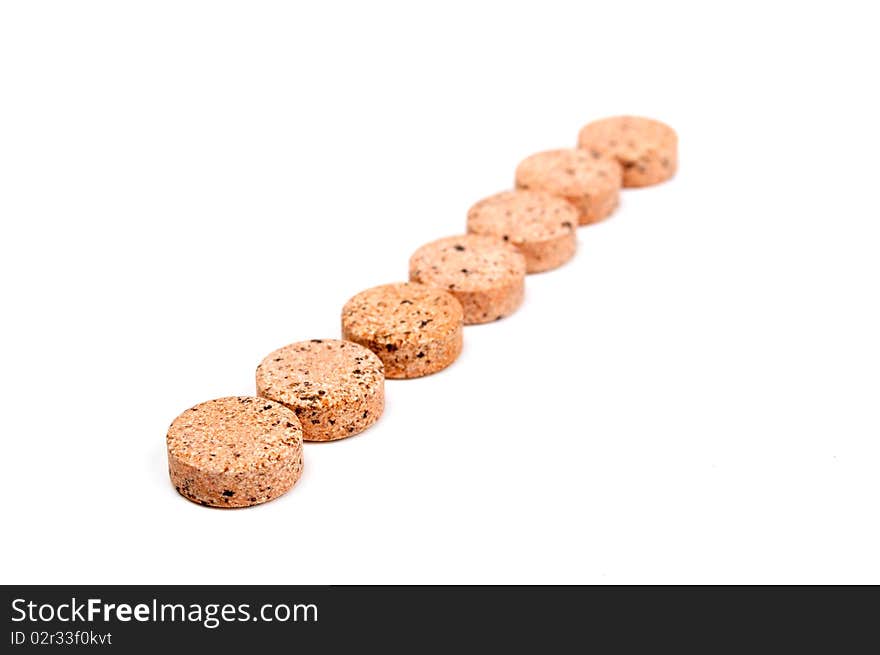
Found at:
[185, 186]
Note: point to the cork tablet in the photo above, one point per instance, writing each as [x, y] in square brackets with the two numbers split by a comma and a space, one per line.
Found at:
[235, 452]
[540, 225]
[589, 181]
[336, 388]
[414, 329]
[486, 274]
[647, 149]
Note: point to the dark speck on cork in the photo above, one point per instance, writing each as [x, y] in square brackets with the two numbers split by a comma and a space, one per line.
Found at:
[266, 407]
[357, 371]
[365, 414]
[420, 355]
[505, 237]
[390, 347]
[317, 340]
[498, 318]
[458, 247]
[290, 425]
[425, 322]
[406, 302]
[567, 224]
[228, 493]
[465, 271]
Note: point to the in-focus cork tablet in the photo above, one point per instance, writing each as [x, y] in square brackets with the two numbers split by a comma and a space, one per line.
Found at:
[486, 274]
[540, 225]
[235, 452]
[587, 180]
[336, 388]
[646, 149]
[414, 329]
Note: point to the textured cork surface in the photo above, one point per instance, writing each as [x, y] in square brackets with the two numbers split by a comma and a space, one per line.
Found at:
[235, 452]
[646, 149]
[414, 329]
[336, 388]
[486, 274]
[540, 225]
[588, 180]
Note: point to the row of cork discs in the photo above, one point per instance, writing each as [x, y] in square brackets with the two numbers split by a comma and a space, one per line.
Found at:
[241, 451]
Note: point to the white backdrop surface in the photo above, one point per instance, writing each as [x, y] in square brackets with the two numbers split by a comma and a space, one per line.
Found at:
[185, 186]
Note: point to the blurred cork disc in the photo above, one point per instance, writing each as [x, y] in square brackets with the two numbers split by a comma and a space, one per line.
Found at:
[486, 274]
[646, 149]
[540, 225]
[414, 329]
[235, 452]
[336, 388]
[589, 181]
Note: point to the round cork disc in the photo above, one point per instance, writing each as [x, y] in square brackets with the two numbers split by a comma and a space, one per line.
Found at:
[591, 183]
[336, 388]
[540, 225]
[486, 274]
[414, 329]
[235, 452]
[646, 149]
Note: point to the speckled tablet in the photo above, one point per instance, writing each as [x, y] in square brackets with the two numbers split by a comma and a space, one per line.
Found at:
[336, 388]
[235, 452]
[589, 181]
[414, 329]
[540, 225]
[486, 274]
[647, 149]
